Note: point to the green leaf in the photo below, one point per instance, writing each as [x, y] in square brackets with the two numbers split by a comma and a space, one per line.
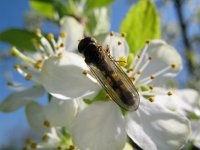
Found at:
[90, 4]
[22, 39]
[52, 9]
[142, 23]
[43, 7]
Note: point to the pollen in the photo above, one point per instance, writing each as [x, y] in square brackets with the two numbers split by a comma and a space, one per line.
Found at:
[71, 147]
[139, 72]
[138, 56]
[38, 64]
[46, 123]
[50, 36]
[62, 44]
[149, 58]
[45, 138]
[16, 66]
[173, 66]
[33, 145]
[151, 87]
[115, 76]
[28, 77]
[108, 96]
[123, 34]
[151, 99]
[119, 43]
[111, 33]
[10, 84]
[147, 42]
[29, 141]
[129, 70]
[122, 61]
[132, 78]
[38, 32]
[152, 77]
[85, 72]
[169, 93]
[63, 34]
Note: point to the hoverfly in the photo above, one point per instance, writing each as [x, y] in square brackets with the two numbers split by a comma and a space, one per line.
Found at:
[111, 77]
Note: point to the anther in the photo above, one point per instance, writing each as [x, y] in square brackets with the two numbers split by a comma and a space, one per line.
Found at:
[111, 33]
[138, 56]
[151, 87]
[62, 34]
[24, 148]
[108, 96]
[46, 124]
[132, 78]
[129, 70]
[38, 64]
[33, 145]
[50, 36]
[173, 66]
[147, 42]
[62, 44]
[59, 148]
[119, 43]
[115, 76]
[38, 32]
[71, 147]
[28, 77]
[33, 40]
[123, 34]
[152, 77]
[149, 58]
[16, 66]
[29, 141]
[45, 138]
[85, 72]
[122, 61]
[10, 83]
[139, 72]
[151, 99]
[169, 93]
[60, 55]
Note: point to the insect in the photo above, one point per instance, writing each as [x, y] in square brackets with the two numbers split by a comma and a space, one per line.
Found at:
[111, 77]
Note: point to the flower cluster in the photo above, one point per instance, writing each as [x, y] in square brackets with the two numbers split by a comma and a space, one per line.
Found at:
[68, 121]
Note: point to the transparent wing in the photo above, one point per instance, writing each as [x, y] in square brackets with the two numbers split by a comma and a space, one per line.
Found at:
[123, 77]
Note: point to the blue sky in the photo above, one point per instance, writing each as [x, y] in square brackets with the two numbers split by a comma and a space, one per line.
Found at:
[12, 15]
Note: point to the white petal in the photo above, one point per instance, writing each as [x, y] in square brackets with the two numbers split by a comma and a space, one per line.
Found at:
[182, 101]
[195, 137]
[155, 128]
[21, 98]
[74, 32]
[63, 77]
[100, 126]
[61, 113]
[163, 55]
[116, 50]
[101, 15]
[36, 116]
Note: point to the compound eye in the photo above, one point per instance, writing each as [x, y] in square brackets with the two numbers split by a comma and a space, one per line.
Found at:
[84, 43]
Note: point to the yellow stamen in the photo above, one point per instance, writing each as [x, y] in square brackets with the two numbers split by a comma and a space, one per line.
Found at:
[50, 36]
[152, 77]
[169, 93]
[38, 64]
[119, 43]
[45, 138]
[173, 66]
[151, 99]
[122, 61]
[38, 32]
[132, 78]
[28, 77]
[123, 34]
[111, 33]
[63, 34]
[46, 123]
[85, 72]
[33, 145]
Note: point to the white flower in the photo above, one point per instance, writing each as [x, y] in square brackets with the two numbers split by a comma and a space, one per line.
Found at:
[102, 125]
[52, 67]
